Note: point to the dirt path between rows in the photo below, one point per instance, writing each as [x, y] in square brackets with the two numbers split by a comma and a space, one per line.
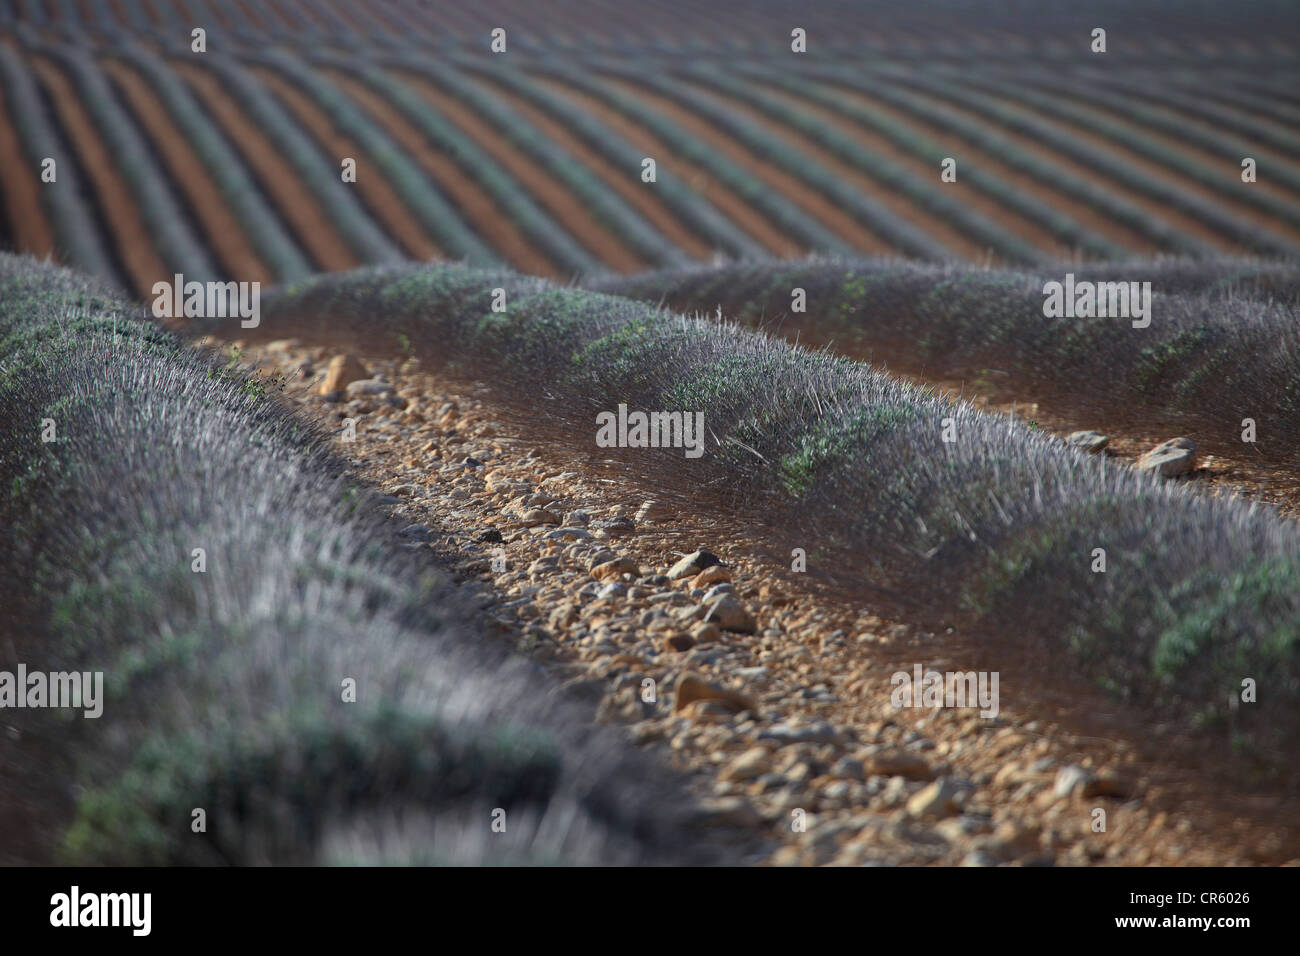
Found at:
[821, 766]
[191, 178]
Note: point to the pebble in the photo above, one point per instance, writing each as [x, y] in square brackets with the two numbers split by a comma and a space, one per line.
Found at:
[692, 564]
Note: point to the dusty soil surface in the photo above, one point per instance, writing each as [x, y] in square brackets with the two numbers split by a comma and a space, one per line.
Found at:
[190, 177]
[132, 237]
[552, 195]
[783, 719]
[297, 206]
[731, 205]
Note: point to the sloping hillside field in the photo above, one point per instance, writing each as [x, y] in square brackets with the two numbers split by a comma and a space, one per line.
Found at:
[587, 433]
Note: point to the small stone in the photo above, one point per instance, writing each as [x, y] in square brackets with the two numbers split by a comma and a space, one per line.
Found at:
[939, 799]
[714, 575]
[706, 633]
[535, 516]
[750, 765]
[692, 564]
[368, 387]
[1107, 784]
[615, 527]
[1169, 459]
[1071, 778]
[1091, 442]
[691, 688]
[678, 643]
[730, 615]
[614, 569]
[420, 532]
[899, 763]
[343, 371]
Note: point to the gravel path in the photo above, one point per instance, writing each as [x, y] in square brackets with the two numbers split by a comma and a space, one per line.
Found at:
[783, 717]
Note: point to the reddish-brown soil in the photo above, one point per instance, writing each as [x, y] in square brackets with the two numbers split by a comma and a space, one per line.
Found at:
[297, 206]
[1046, 193]
[476, 205]
[29, 229]
[648, 204]
[1228, 197]
[731, 205]
[133, 238]
[906, 209]
[1163, 174]
[962, 190]
[568, 209]
[377, 193]
[792, 188]
[1154, 208]
[218, 225]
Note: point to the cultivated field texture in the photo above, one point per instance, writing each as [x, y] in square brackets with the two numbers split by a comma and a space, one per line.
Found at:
[555, 433]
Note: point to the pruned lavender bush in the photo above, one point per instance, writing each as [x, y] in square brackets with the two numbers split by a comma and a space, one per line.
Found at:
[995, 529]
[1222, 344]
[225, 688]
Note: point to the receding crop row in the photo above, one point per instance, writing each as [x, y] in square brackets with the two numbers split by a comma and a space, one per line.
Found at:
[959, 90]
[996, 523]
[179, 246]
[449, 140]
[689, 206]
[1172, 159]
[418, 193]
[1212, 356]
[898, 233]
[1118, 93]
[78, 236]
[1007, 194]
[928, 194]
[603, 203]
[1041, 169]
[265, 233]
[268, 656]
[783, 213]
[346, 212]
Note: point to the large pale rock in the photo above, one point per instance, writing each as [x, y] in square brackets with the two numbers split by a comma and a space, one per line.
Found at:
[1171, 458]
[1091, 442]
[343, 371]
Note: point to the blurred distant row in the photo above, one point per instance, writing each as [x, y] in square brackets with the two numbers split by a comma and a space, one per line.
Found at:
[272, 139]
